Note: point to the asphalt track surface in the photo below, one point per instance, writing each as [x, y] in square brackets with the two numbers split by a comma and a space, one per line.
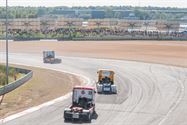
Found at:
[148, 94]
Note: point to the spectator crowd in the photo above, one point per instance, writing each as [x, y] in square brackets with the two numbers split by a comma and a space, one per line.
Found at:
[70, 33]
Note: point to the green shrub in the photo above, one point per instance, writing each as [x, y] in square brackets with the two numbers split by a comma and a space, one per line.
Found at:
[12, 72]
[2, 78]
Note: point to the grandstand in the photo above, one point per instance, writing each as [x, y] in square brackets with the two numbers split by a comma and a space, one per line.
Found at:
[73, 28]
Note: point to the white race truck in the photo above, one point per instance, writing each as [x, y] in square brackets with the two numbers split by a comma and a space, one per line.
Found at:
[83, 104]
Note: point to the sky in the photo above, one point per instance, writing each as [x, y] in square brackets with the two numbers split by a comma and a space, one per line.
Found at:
[70, 3]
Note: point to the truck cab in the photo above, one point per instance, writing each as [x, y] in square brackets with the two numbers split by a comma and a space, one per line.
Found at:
[105, 82]
[48, 56]
[83, 104]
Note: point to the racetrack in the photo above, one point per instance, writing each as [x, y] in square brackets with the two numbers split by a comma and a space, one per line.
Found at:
[148, 94]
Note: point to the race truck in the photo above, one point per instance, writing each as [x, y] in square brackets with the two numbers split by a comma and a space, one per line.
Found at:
[49, 57]
[105, 82]
[83, 104]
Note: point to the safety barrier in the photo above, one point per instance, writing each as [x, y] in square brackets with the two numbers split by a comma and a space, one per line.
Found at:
[128, 37]
[11, 86]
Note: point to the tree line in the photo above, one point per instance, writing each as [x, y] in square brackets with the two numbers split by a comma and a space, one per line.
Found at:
[142, 13]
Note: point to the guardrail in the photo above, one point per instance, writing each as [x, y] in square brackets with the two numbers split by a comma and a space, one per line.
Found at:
[126, 37]
[11, 86]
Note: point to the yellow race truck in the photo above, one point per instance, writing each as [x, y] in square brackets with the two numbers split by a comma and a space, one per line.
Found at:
[105, 82]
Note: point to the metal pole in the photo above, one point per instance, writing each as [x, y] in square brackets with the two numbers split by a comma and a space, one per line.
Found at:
[6, 25]
[7, 72]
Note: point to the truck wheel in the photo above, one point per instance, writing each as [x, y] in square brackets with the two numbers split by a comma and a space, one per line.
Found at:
[89, 118]
[94, 112]
[66, 119]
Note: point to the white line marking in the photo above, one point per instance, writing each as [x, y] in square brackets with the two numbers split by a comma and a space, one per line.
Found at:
[175, 105]
[36, 108]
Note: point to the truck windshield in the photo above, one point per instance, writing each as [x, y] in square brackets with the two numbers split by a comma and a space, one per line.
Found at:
[50, 54]
[84, 102]
[106, 73]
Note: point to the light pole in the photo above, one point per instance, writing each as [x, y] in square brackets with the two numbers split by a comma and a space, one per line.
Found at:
[7, 72]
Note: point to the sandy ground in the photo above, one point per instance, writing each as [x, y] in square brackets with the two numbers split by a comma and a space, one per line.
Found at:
[38, 90]
[165, 52]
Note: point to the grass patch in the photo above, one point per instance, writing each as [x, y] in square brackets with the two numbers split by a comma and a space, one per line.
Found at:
[44, 86]
[13, 75]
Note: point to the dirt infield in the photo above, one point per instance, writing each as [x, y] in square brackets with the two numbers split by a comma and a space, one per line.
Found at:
[165, 52]
[38, 90]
